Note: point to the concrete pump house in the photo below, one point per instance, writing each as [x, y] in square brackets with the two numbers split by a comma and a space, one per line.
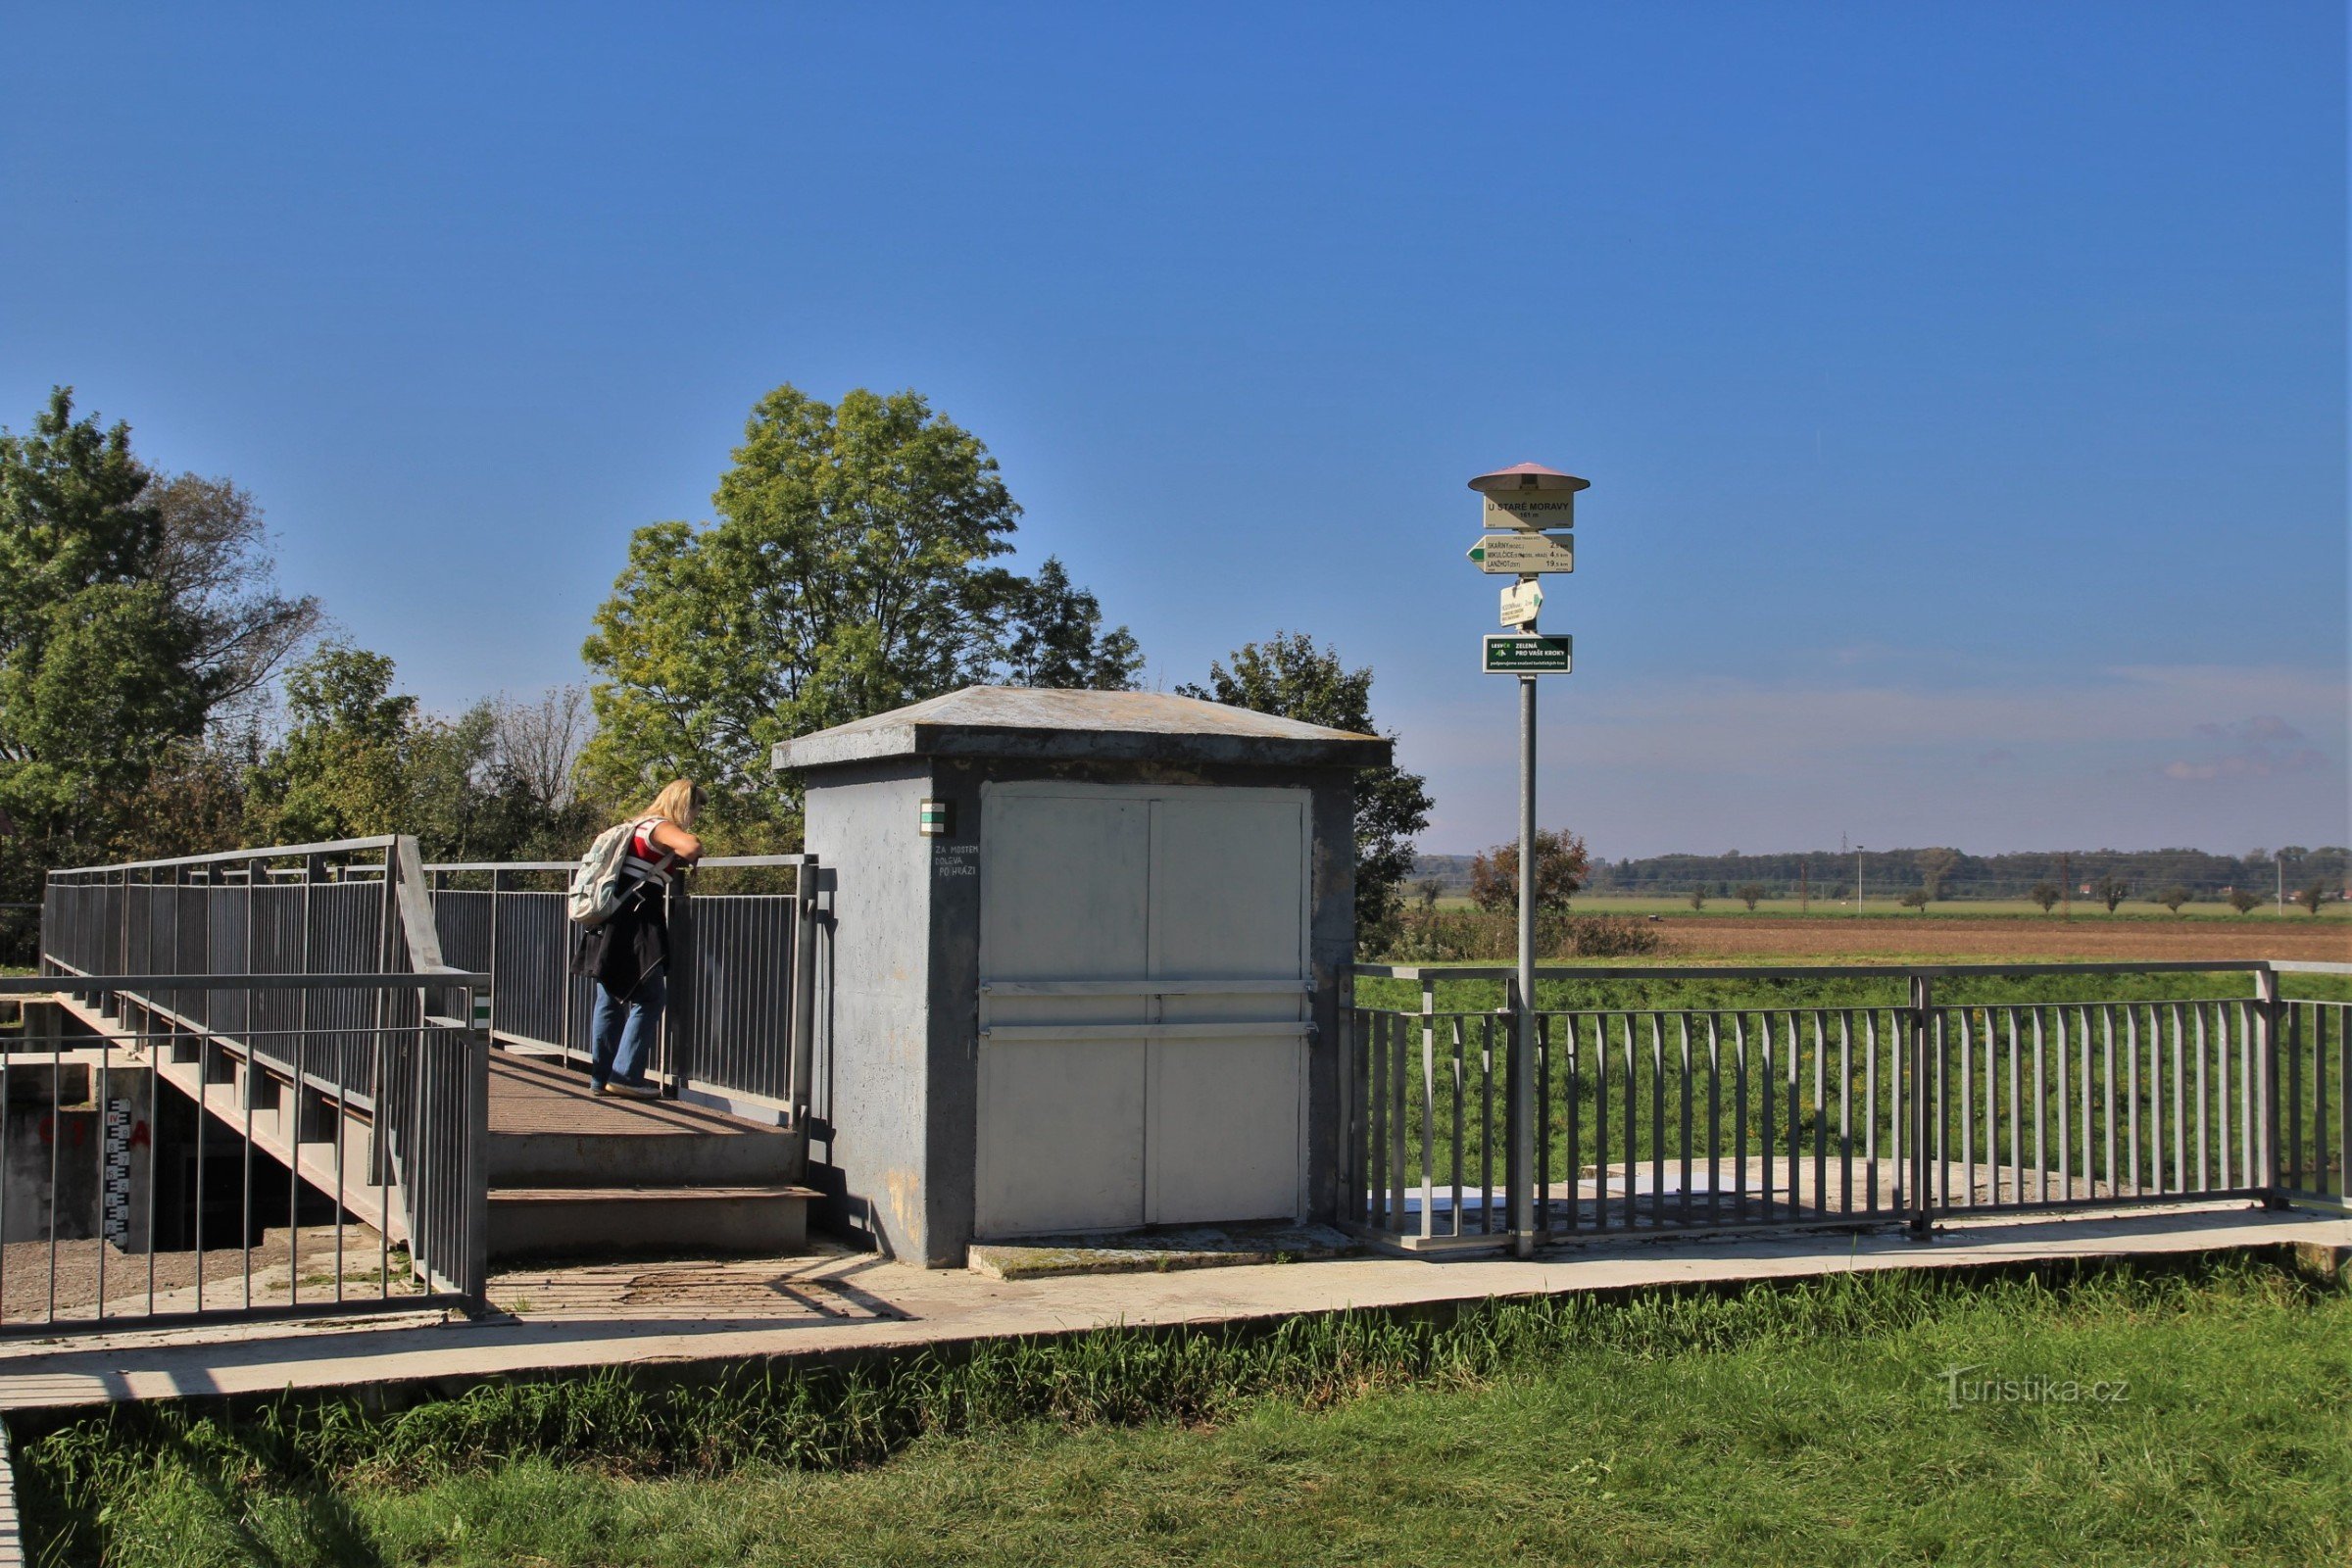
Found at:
[1087, 962]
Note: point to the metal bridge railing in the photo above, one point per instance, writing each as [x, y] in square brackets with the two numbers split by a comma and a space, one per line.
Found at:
[739, 1021]
[1663, 1117]
[296, 998]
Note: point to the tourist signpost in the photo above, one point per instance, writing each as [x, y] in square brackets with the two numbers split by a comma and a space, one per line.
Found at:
[1522, 503]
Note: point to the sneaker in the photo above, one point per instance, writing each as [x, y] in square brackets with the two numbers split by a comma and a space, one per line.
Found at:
[630, 1091]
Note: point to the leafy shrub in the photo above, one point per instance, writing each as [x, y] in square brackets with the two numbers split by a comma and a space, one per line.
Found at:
[1474, 936]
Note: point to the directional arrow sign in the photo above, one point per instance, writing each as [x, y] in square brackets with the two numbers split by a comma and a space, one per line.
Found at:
[1521, 602]
[1524, 555]
[1527, 656]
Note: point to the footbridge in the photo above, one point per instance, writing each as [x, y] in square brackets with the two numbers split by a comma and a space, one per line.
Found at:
[329, 1077]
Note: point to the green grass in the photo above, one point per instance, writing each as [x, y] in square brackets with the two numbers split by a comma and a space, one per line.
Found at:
[1779, 1423]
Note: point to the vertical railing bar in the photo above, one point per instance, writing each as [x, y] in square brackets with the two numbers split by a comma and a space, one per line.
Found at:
[2204, 1132]
[1379, 1119]
[1968, 1106]
[1542, 1123]
[1739, 1115]
[2132, 1097]
[204, 1114]
[2066, 1177]
[1766, 1078]
[7, 1077]
[154, 1148]
[1899, 1090]
[1870, 1104]
[1601, 1121]
[1633, 1139]
[2180, 1100]
[2249, 1093]
[2343, 1089]
[1844, 1110]
[2295, 1096]
[106, 1051]
[1400, 1085]
[1657, 1122]
[2041, 1156]
[1486, 1127]
[1455, 1030]
[1429, 1107]
[1683, 1024]
[2223, 1099]
[1821, 1116]
[2107, 1081]
[1714, 1116]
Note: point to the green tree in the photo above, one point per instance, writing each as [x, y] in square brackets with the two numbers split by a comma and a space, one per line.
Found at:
[359, 758]
[1750, 893]
[1560, 866]
[1935, 868]
[848, 572]
[2047, 895]
[2173, 897]
[133, 607]
[1916, 899]
[1290, 676]
[2244, 901]
[341, 769]
[2111, 889]
[2312, 896]
[1699, 897]
[1058, 639]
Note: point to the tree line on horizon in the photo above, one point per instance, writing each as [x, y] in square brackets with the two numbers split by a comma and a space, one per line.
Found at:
[160, 695]
[1937, 874]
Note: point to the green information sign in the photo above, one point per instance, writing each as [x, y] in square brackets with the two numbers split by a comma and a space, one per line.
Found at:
[1527, 656]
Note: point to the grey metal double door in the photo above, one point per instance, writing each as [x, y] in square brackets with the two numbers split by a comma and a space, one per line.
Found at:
[1143, 1005]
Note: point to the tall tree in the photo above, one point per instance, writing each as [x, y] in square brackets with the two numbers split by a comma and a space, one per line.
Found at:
[849, 571]
[133, 607]
[1288, 675]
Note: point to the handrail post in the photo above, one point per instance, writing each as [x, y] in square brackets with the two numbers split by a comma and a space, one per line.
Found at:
[803, 989]
[1429, 1105]
[1923, 1196]
[2268, 1010]
[500, 883]
[475, 1193]
[677, 1019]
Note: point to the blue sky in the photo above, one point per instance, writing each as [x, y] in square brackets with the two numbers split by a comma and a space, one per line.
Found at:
[1963, 388]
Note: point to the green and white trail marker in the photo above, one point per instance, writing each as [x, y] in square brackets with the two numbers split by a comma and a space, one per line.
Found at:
[1507, 655]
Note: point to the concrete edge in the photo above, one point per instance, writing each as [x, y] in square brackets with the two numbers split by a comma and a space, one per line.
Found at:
[2327, 1264]
[12, 1531]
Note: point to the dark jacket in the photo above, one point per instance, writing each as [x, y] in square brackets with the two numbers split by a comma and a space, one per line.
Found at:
[633, 944]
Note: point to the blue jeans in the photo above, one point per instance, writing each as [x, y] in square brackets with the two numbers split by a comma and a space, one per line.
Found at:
[624, 1031]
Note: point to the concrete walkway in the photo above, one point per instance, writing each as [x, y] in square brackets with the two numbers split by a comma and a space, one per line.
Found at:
[581, 1319]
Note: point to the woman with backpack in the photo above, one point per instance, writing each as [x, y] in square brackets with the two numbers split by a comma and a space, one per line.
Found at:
[627, 953]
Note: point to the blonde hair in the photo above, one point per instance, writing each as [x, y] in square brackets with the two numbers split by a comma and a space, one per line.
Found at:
[677, 803]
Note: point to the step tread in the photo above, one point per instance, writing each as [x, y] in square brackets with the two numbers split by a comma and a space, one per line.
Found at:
[568, 1195]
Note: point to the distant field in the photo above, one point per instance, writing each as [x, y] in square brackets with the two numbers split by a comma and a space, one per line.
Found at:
[2139, 911]
[1773, 933]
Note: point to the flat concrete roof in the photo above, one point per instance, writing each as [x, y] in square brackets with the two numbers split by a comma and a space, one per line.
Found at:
[1081, 726]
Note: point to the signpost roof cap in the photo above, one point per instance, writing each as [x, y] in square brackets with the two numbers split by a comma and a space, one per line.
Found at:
[1528, 476]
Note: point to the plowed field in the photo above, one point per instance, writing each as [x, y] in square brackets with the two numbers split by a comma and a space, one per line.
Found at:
[2033, 939]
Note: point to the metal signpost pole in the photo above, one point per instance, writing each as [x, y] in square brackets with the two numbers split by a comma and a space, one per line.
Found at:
[1523, 1050]
[1524, 503]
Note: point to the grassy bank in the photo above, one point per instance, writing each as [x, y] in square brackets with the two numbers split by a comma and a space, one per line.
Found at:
[2183, 1416]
